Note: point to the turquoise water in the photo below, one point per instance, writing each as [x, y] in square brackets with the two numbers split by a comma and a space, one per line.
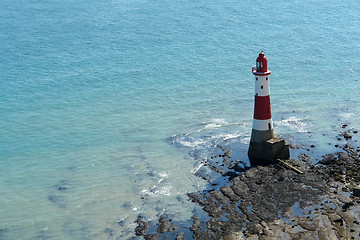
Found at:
[109, 107]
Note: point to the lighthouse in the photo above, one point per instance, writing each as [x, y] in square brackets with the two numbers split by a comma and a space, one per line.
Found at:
[264, 147]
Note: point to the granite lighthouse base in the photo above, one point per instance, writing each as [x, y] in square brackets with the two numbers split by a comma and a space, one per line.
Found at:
[265, 148]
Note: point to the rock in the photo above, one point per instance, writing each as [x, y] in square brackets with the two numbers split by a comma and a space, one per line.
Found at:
[151, 237]
[180, 236]
[347, 205]
[255, 228]
[227, 191]
[250, 173]
[347, 136]
[195, 197]
[345, 199]
[356, 191]
[142, 227]
[196, 224]
[234, 236]
[240, 188]
[219, 197]
[165, 225]
[253, 237]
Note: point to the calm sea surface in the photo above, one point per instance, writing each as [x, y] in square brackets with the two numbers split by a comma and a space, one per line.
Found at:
[107, 108]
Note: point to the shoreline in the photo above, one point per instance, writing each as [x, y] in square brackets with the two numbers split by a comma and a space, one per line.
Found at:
[274, 201]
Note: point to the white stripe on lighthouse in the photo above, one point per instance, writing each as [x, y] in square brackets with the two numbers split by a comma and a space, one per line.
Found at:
[262, 87]
[262, 125]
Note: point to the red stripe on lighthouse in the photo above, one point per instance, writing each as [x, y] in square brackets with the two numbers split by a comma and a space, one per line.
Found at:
[262, 109]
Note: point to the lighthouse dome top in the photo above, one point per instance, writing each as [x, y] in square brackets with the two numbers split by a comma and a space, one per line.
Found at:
[261, 65]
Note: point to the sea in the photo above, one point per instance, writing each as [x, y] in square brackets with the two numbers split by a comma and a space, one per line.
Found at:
[109, 108]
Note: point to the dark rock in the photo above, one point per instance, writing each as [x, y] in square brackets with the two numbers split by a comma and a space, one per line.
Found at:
[196, 224]
[328, 160]
[227, 191]
[195, 197]
[231, 175]
[219, 197]
[240, 188]
[347, 136]
[213, 209]
[180, 236]
[165, 225]
[254, 228]
[151, 237]
[238, 168]
[142, 227]
[356, 191]
[347, 205]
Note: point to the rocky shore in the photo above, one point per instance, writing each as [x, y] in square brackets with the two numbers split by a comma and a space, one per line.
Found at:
[318, 201]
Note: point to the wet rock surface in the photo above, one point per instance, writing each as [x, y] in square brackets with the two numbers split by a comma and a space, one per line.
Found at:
[142, 226]
[274, 201]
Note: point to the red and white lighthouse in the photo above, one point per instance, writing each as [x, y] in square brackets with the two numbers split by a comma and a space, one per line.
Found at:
[262, 109]
[263, 143]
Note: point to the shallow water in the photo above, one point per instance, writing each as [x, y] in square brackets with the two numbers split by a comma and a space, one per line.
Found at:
[108, 108]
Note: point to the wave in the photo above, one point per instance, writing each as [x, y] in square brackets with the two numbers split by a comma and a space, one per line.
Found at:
[202, 144]
[190, 142]
[245, 140]
[297, 124]
[158, 190]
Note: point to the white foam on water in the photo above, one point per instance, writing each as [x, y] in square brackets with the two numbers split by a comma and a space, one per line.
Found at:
[214, 123]
[221, 121]
[212, 126]
[192, 144]
[197, 168]
[163, 175]
[245, 140]
[156, 191]
[295, 124]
